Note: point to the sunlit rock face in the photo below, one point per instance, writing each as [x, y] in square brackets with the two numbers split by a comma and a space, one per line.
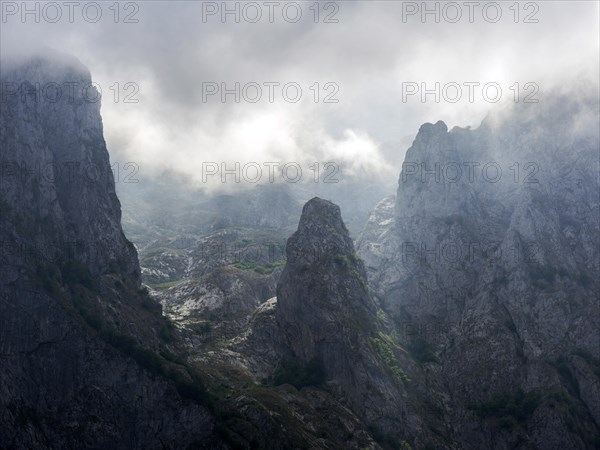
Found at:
[489, 253]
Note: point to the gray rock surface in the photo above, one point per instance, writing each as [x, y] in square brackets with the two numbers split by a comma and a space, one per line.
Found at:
[71, 312]
[467, 318]
[497, 274]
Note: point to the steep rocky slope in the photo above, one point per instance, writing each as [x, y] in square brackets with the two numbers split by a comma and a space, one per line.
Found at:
[489, 256]
[86, 358]
[326, 313]
[467, 318]
[324, 333]
[221, 304]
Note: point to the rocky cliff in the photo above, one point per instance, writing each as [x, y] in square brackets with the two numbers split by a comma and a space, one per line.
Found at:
[86, 356]
[487, 259]
[325, 333]
[327, 314]
[467, 317]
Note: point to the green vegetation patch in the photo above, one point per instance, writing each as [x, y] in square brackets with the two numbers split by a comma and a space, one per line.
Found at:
[351, 263]
[347, 261]
[384, 346]
[166, 285]
[262, 270]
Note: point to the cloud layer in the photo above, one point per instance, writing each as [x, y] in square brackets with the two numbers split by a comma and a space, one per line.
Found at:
[369, 56]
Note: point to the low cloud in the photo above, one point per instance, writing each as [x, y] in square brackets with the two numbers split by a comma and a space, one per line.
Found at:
[369, 54]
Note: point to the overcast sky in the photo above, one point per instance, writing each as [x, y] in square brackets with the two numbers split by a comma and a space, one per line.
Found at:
[368, 51]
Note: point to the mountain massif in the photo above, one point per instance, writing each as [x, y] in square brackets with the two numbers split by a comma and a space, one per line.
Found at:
[488, 255]
[465, 316]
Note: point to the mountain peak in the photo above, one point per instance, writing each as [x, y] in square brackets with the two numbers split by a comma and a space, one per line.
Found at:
[318, 212]
[327, 313]
[322, 270]
[439, 127]
[321, 234]
[43, 62]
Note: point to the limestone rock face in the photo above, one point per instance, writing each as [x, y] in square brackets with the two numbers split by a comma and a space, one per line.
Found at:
[467, 317]
[322, 276]
[70, 307]
[56, 165]
[490, 254]
[221, 305]
[326, 313]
